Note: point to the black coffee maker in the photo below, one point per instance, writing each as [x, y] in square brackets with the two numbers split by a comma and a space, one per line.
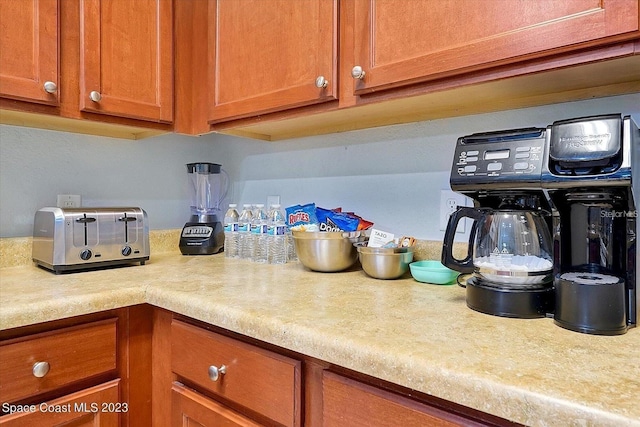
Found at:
[510, 251]
[583, 177]
[592, 181]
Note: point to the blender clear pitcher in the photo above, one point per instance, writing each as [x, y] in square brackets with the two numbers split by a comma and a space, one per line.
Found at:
[209, 184]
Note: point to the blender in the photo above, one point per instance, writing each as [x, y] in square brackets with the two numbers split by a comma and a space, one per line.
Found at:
[204, 233]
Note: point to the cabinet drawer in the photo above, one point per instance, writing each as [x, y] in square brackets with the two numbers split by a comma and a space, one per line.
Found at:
[257, 379]
[71, 354]
[347, 402]
[95, 406]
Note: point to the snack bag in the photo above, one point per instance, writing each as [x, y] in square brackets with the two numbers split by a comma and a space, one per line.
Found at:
[364, 224]
[330, 220]
[302, 217]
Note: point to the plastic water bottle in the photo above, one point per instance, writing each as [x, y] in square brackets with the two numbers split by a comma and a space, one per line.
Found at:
[231, 231]
[277, 230]
[292, 256]
[259, 234]
[245, 246]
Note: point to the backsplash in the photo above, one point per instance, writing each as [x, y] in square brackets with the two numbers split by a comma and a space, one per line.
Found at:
[16, 252]
[390, 175]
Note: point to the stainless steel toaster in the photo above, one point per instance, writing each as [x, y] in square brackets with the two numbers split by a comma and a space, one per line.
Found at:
[67, 239]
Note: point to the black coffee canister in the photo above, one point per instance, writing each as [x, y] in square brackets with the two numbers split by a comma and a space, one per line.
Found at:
[591, 303]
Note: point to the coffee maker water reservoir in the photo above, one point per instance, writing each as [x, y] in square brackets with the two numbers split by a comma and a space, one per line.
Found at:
[591, 180]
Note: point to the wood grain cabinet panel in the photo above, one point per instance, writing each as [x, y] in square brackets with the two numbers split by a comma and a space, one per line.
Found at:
[348, 402]
[98, 406]
[29, 50]
[399, 42]
[126, 58]
[190, 409]
[72, 354]
[257, 379]
[265, 55]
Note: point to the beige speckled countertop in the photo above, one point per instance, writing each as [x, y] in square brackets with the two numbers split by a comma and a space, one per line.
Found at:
[417, 335]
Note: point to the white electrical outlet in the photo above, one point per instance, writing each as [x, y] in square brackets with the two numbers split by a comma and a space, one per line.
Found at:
[449, 202]
[69, 201]
[273, 200]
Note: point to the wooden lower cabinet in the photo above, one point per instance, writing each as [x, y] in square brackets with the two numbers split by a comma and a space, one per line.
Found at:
[347, 402]
[255, 382]
[266, 385]
[44, 362]
[91, 370]
[97, 406]
[192, 409]
[144, 366]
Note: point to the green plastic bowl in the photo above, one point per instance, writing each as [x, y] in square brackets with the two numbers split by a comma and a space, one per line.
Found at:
[428, 271]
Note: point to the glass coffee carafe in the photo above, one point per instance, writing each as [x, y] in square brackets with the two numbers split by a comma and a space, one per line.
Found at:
[507, 247]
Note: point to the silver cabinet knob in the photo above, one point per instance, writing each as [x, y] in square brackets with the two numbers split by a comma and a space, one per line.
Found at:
[40, 369]
[357, 72]
[321, 82]
[50, 87]
[215, 372]
[95, 96]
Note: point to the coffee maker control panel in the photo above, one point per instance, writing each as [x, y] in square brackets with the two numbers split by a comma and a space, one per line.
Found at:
[496, 159]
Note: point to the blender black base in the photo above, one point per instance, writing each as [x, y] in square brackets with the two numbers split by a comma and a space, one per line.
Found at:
[527, 303]
[202, 238]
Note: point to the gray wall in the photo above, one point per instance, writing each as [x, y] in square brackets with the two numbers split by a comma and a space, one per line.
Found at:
[391, 175]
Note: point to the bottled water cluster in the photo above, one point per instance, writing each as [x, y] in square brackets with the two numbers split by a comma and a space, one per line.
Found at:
[258, 235]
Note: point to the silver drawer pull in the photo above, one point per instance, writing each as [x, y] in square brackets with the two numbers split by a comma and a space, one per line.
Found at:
[50, 87]
[95, 96]
[357, 72]
[321, 82]
[215, 373]
[40, 369]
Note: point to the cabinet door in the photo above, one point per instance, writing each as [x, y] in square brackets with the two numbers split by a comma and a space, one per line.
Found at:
[190, 409]
[399, 42]
[29, 50]
[266, 55]
[126, 56]
[98, 406]
[347, 402]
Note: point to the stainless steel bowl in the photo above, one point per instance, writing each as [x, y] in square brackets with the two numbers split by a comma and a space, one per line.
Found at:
[326, 251]
[385, 263]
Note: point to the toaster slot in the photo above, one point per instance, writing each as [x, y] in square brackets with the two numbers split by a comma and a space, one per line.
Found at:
[85, 229]
[125, 220]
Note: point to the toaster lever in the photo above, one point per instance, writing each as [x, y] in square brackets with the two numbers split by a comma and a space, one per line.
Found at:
[85, 219]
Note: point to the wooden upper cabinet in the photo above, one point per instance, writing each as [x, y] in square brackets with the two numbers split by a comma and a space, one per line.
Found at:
[126, 58]
[399, 42]
[29, 50]
[267, 55]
